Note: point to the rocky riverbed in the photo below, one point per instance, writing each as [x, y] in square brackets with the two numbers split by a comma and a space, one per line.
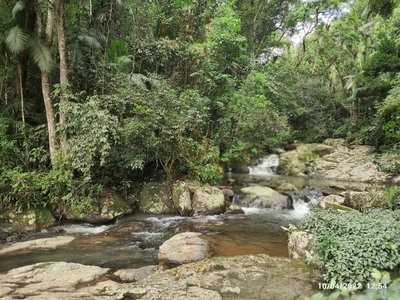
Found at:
[228, 243]
[239, 277]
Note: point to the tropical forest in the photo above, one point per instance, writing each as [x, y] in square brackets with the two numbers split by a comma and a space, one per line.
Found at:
[200, 149]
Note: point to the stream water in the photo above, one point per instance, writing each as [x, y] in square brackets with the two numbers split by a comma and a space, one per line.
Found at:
[133, 241]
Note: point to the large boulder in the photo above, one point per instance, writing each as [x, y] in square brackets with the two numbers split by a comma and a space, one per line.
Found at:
[105, 208]
[263, 197]
[154, 198]
[182, 198]
[113, 206]
[300, 244]
[184, 248]
[192, 198]
[348, 163]
[295, 162]
[208, 200]
[368, 199]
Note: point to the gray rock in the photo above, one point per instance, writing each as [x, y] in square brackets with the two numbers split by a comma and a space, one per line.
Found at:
[155, 198]
[245, 277]
[367, 199]
[300, 244]
[193, 198]
[47, 280]
[106, 208]
[183, 248]
[182, 199]
[253, 276]
[133, 275]
[331, 199]
[263, 197]
[208, 200]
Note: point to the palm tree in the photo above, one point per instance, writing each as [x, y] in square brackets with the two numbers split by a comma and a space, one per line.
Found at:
[24, 37]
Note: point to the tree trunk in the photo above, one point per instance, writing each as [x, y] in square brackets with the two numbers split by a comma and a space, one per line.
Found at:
[21, 94]
[63, 71]
[50, 116]
[51, 126]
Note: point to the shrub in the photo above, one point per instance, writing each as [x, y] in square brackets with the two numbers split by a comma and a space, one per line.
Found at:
[388, 128]
[389, 162]
[55, 189]
[393, 196]
[349, 246]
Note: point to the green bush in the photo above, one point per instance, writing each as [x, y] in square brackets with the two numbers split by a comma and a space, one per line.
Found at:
[349, 246]
[388, 119]
[393, 196]
[389, 162]
[55, 189]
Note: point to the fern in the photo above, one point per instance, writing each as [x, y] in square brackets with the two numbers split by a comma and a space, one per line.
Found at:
[41, 55]
[18, 7]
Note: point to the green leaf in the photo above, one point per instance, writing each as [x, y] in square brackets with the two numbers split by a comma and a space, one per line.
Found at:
[18, 7]
[41, 55]
[16, 40]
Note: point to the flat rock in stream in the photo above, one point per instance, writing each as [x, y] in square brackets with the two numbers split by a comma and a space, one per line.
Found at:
[45, 243]
[46, 280]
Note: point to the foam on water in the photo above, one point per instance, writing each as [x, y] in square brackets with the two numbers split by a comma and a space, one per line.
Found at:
[83, 228]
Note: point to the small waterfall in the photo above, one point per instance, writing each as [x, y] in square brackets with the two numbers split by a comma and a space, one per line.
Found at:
[266, 166]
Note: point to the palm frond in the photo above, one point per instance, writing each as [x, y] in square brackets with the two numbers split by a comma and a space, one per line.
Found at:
[41, 55]
[16, 40]
[18, 7]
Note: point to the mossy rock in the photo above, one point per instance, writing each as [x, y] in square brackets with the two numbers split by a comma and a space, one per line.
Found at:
[154, 198]
[107, 207]
[28, 220]
[368, 199]
[295, 162]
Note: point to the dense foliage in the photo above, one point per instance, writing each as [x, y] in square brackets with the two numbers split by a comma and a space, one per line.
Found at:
[351, 246]
[107, 92]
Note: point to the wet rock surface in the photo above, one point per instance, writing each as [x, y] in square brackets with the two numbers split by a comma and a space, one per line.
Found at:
[184, 248]
[241, 277]
[332, 160]
[263, 197]
[44, 243]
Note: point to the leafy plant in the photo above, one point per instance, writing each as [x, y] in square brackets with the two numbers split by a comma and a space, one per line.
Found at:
[393, 196]
[349, 246]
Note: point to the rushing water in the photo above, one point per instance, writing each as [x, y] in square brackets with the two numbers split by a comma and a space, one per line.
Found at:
[133, 241]
[266, 166]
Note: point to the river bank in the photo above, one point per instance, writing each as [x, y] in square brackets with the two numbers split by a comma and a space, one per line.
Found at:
[250, 249]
